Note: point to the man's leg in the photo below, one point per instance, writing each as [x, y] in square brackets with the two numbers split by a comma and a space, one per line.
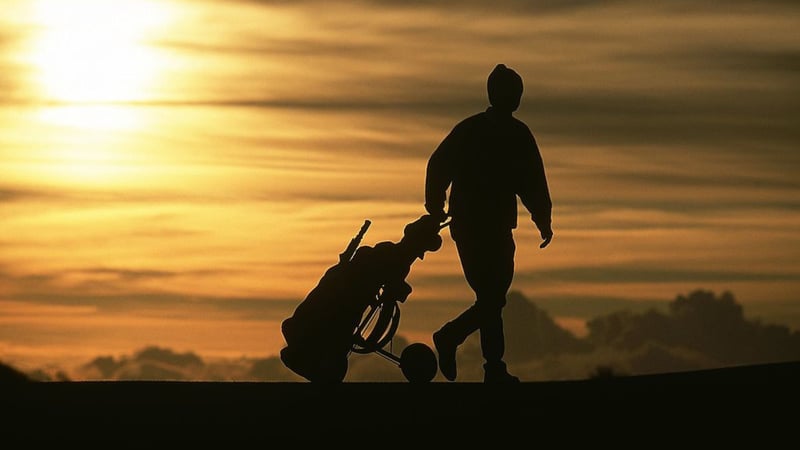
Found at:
[487, 259]
[490, 276]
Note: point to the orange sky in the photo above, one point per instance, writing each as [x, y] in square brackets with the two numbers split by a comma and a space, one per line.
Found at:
[182, 172]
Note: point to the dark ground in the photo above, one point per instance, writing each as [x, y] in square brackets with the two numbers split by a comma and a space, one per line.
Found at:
[759, 403]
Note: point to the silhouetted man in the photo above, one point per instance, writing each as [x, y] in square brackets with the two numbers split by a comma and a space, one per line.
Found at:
[486, 161]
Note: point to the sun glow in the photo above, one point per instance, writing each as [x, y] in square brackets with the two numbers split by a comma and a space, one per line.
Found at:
[95, 50]
[89, 60]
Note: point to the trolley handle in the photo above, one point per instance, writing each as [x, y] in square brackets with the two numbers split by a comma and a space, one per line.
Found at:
[348, 252]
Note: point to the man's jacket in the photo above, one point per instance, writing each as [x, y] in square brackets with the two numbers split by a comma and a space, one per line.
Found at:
[488, 160]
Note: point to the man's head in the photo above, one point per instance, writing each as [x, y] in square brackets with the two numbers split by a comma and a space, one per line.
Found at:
[422, 235]
[505, 88]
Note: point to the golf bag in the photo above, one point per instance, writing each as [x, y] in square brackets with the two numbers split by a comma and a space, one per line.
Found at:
[355, 308]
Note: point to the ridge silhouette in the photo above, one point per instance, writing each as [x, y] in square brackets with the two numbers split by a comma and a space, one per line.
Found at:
[725, 404]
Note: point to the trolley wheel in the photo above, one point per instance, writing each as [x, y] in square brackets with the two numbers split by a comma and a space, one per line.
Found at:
[418, 363]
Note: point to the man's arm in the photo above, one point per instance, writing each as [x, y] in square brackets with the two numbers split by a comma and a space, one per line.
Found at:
[534, 191]
[439, 175]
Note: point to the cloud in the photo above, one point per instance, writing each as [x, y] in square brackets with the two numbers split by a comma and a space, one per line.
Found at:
[150, 363]
[590, 80]
[590, 306]
[701, 322]
[13, 195]
[670, 79]
[155, 363]
[699, 330]
[541, 6]
[639, 274]
[132, 275]
[652, 116]
[103, 287]
[160, 305]
[76, 196]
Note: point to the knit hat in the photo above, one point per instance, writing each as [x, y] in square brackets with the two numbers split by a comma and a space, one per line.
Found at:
[505, 88]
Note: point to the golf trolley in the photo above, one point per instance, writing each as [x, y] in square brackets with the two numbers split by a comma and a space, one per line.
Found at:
[333, 322]
[375, 332]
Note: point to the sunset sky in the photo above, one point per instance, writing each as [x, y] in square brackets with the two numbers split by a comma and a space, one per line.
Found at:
[182, 172]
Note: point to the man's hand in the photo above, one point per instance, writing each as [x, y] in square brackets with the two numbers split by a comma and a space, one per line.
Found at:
[547, 235]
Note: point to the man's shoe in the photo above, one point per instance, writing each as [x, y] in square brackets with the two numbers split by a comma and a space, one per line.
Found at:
[447, 356]
[505, 378]
[497, 374]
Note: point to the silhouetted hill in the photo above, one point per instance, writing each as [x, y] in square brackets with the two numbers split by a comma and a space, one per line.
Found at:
[532, 333]
[9, 374]
[728, 404]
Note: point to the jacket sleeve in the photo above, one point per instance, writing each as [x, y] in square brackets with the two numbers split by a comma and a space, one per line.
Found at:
[533, 189]
[439, 173]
